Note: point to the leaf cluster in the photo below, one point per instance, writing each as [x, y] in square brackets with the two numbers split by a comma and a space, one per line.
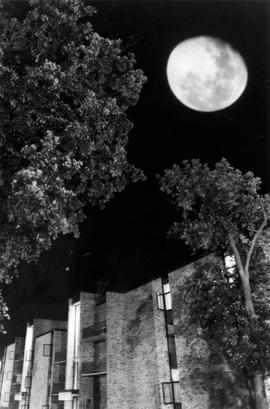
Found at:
[215, 304]
[214, 203]
[64, 96]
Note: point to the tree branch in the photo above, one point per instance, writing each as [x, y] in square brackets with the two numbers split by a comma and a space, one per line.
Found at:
[253, 242]
[237, 254]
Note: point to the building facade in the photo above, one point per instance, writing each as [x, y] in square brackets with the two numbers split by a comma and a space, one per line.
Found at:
[203, 382]
[6, 375]
[42, 371]
[121, 351]
[48, 370]
[17, 372]
[133, 350]
[11, 373]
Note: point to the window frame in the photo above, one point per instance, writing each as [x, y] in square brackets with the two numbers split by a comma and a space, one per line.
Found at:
[162, 306]
[27, 381]
[50, 349]
[9, 375]
[171, 392]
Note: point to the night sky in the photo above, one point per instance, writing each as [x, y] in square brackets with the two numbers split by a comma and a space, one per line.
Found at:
[126, 242]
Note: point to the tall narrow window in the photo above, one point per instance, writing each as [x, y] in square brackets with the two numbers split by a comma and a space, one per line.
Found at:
[75, 375]
[27, 382]
[172, 352]
[164, 299]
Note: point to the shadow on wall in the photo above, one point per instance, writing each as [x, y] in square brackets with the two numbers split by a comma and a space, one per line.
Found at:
[138, 327]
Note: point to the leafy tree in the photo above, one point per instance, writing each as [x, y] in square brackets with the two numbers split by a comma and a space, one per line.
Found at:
[221, 210]
[64, 96]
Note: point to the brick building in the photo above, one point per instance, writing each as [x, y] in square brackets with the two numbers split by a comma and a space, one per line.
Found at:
[117, 351]
[130, 350]
[134, 350]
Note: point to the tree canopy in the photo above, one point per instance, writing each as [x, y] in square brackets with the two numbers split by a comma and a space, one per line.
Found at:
[215, 204]
[64, 96]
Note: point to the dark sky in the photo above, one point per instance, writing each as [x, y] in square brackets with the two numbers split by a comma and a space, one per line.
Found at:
[126, 242]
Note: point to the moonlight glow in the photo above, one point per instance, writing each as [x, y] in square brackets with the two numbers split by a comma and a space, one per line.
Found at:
[206, 74]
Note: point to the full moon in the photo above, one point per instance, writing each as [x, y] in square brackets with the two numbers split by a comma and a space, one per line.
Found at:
[206, 74]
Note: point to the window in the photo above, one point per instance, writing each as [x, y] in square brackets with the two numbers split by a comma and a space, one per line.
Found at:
[9, 375]
[6, 397]
[75, 375]
[27, 382]
[171, 392]
[18, 378]
[47, 350]
[45, 406]
[11, 355]
[28, 355]
[172, 352]
[164, 298]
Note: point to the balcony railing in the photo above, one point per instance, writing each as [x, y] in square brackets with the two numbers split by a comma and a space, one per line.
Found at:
[94, 330]
[60, 356]
[93, 367]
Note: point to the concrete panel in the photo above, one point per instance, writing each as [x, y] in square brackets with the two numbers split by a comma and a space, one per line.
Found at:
[39, 395]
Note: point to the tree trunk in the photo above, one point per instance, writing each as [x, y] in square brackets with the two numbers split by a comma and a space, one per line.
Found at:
[248, 297]
[257, 390]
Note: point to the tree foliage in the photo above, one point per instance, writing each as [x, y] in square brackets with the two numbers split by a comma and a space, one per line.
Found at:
[221, 210]
[214, 203]
[64, 96]
[215, 303]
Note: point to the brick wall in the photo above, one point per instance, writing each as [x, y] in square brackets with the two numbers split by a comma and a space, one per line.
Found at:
[203, 384]
[137, 358]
